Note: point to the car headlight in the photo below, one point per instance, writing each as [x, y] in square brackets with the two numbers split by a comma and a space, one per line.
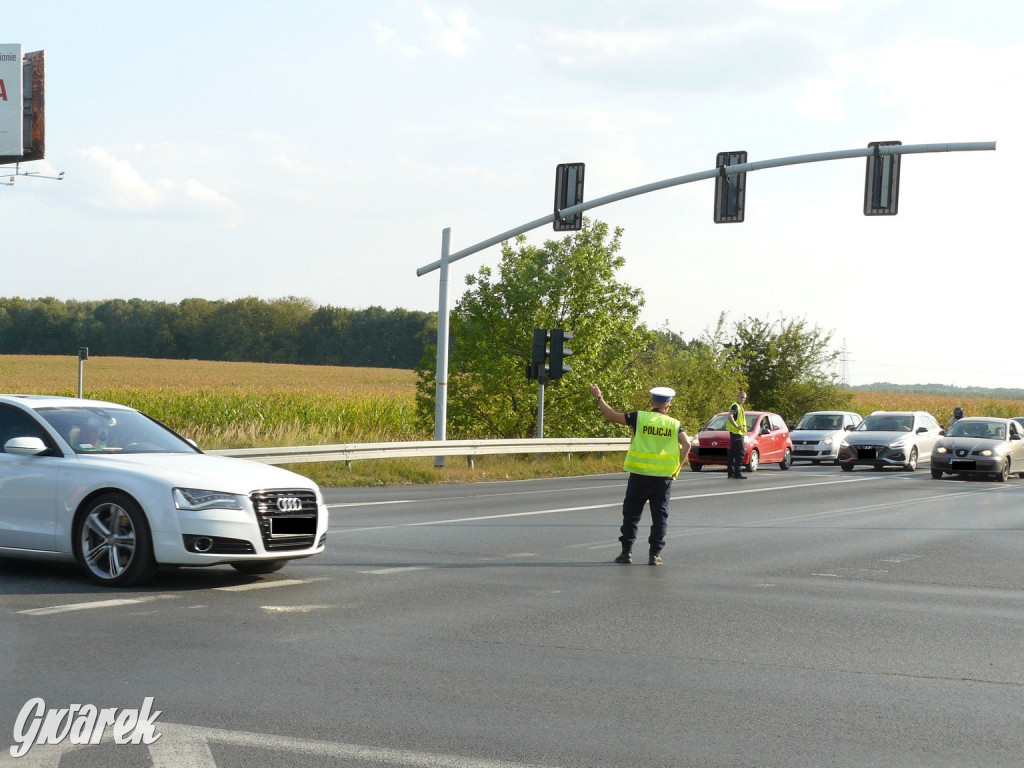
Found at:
[827, 440]
[196, 500]
[941, 449]
[901, 443]
[695, 443]
[987, 452]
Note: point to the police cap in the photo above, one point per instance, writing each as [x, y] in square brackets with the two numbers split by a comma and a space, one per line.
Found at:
[662, 393]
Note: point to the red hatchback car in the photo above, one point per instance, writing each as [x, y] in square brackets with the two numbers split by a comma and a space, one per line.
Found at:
[767, 442]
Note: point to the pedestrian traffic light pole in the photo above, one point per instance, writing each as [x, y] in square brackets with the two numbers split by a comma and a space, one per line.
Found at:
[878, 151]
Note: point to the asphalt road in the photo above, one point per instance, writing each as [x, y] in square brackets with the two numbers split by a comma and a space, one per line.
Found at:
[803, 618]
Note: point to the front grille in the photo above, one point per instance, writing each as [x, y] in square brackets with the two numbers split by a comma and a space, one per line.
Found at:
[287, 518]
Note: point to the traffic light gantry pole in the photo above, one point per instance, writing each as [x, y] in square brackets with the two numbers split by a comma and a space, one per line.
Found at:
[877, 150]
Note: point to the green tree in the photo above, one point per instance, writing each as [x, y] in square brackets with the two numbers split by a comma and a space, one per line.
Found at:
[569, 284]
[788, 367]
[704, 373]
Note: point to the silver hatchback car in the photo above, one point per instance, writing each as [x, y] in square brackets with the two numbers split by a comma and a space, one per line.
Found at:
[818, 435]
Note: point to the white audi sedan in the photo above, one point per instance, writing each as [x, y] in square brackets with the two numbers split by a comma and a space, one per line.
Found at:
[123, 495]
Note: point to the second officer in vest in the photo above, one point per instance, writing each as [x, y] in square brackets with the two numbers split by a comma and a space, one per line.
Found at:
[653, 462]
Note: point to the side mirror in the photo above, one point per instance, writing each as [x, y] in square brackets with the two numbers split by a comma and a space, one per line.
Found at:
[922, 430]
[25, 446]
[942, 432]
[1015, 436]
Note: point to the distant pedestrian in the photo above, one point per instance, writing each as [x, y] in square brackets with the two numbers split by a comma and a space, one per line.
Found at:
[958, 413]
[653, 461]
[737, 426]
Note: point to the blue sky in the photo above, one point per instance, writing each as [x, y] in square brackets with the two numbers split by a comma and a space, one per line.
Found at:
[318, 149]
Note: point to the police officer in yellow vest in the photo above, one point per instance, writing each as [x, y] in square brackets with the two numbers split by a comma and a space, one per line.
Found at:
[653, 462]
[737, 426]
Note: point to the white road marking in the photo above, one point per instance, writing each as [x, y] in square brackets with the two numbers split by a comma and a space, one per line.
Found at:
[293, 608]
[264, 585]
[456, 498]
[93, 604]
[182, 746]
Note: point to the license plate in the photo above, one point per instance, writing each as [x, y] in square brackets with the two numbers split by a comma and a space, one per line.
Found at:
[290, 526]
[963, 464]
[867, 453]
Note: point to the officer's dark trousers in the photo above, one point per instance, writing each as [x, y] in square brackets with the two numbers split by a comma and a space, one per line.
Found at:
[640, 490]
[735, 454]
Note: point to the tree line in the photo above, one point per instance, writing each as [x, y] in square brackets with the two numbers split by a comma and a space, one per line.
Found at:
[287, 330]
[785, 365]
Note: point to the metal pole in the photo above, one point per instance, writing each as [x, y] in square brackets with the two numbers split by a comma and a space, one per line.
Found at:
[540, 407]
[81, 365]
[441, 383]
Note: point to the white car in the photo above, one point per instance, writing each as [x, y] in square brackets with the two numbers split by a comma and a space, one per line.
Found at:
[890, 439]
[123, 495]
[818, 435]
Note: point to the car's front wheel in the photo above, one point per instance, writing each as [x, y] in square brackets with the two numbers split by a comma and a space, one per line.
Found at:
[1004, 474]
[255, 569]
[754, 462]
[696, 466]
[112, 541]
[911, 464]
[936, 474]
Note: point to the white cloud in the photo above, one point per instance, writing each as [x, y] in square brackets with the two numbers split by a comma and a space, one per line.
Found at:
[451, 34]
[114, 184]
[387, 38]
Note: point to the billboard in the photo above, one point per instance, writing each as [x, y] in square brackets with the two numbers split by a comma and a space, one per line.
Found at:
[12, 104]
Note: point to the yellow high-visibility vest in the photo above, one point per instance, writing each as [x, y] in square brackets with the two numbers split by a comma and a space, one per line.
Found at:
[741, 421]
[654, 449]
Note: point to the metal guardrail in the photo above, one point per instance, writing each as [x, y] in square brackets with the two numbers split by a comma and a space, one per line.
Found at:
[355, 451]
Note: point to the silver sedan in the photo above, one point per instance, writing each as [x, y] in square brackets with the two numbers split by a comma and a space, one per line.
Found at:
[980, 445]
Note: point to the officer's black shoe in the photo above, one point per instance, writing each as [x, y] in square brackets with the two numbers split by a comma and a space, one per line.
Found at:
[625, 558]
[655, 560]
[740, 477]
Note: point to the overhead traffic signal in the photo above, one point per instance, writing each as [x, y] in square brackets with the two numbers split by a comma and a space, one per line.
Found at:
[568, 192]
[730, 189]
[558, 353]
[882, 181]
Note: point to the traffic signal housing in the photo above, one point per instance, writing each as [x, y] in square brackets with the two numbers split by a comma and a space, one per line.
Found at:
[559, 352]
[882, 181]
[730, 189]
[539, 355]
[568, 192]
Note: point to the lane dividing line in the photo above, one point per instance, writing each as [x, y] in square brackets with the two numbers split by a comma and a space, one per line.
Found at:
[94, 604]
[265, 585]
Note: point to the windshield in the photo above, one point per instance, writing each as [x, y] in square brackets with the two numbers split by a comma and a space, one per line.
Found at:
[887, 422]
[821, 421]
[720, 422]
[993, 430]
[113, 430]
